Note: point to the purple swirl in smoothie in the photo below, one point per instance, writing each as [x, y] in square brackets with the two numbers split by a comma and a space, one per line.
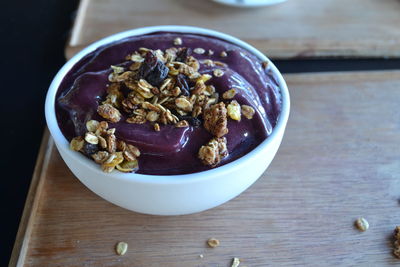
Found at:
[173, 150]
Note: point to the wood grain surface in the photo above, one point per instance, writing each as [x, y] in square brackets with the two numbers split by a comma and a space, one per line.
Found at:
[294, 29]
[340, 159]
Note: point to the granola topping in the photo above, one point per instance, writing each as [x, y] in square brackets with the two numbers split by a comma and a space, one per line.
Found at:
[109, 152]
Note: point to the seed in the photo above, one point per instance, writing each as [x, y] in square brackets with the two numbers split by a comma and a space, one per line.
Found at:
[177, 41]
[248, 111]
[362, 224]
[91, 138]
[199, 50]
[137, 58]
[121, 248]
[233, 110]
[229, 94]
[213, 242]
[156, 127]
[223, 54]
[218, 73]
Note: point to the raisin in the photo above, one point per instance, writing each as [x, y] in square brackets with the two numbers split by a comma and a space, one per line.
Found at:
[148, 65]
[158, 74]
[89, 149]
[182, 82]
[182, 54]
[152, 69]
[195, 122]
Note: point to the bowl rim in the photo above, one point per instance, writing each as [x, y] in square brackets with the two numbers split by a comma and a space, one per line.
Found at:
[60, 140]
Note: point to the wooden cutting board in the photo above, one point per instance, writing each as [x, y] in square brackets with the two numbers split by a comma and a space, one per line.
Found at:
[294, 29]
[340, 159]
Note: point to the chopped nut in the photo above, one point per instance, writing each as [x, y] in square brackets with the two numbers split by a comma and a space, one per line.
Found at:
[247, 111]
[215, 119]
[109, 112]
[223, 54]
[229, 94]
[210, 52]
[218, 73]
[213, 242]
[235, 262]
[77, 143]
[157, 127]
[177, 41]
[199, 50]
[212, 153]
[121, 248]
[91, 138]
[234, 110]
[362, 224]
[265, 64]
[182, 124]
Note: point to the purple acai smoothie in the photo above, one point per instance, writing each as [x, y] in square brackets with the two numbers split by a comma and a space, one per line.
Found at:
[173, 150]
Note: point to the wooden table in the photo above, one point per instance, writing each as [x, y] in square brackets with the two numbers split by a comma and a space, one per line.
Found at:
[294, 29]
[339, 160]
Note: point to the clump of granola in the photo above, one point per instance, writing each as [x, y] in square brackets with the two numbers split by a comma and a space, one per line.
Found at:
[215, 119]
[161, 88]
[103, 147]
[212, 153]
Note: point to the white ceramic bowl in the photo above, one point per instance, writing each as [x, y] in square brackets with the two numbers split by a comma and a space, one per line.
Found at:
[173, 194]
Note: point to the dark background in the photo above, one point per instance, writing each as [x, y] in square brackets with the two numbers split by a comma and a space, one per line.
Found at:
[33, 36]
